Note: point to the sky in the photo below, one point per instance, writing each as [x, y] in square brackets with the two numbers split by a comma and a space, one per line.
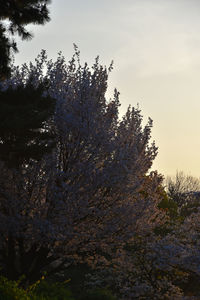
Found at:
[155, 45]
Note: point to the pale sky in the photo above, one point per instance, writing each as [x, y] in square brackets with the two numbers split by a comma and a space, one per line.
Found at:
[155, 45]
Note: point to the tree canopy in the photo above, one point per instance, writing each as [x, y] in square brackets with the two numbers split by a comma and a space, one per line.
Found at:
[89, 197]
[84, 198]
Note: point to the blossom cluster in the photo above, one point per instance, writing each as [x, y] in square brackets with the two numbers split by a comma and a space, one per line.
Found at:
[93, 199]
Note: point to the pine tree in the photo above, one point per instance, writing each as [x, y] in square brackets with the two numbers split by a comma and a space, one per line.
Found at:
[19, 13]
[25, 130]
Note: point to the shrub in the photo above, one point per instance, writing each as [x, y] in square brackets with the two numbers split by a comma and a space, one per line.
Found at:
[53, 291]
[98, 294]
[43, 290]
[9, 290]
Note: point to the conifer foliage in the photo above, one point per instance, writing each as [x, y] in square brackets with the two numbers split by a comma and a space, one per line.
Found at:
[18, 13]
[25, 115]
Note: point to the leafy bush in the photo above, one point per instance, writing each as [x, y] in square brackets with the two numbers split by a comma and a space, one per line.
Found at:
[53, 291]
[170, 207]
[98, 294]
[10, 290]
[43, 290]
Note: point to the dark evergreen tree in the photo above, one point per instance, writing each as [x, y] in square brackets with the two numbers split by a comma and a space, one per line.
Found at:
[19, 13]
[26, 130]
[6, 46]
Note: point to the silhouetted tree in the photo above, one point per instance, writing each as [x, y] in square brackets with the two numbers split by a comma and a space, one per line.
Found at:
[181, 188]
[85, 199]
[92, 199]
[25, 123]
[18, 13]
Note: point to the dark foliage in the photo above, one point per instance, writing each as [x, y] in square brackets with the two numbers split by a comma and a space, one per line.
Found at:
[18, 13]
[25, 129]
